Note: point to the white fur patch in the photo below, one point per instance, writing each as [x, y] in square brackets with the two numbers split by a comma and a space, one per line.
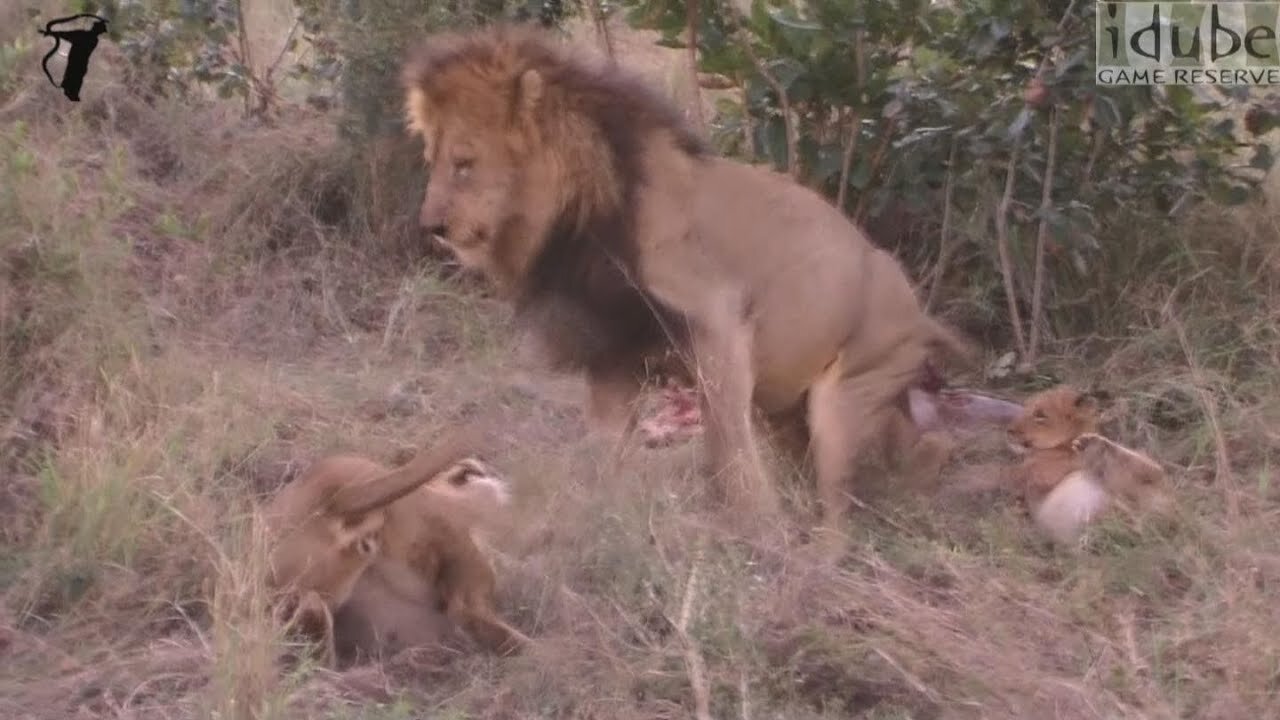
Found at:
[1071, 505]
[471, 477]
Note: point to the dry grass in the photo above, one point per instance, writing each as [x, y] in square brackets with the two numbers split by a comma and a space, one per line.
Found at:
[188, 315]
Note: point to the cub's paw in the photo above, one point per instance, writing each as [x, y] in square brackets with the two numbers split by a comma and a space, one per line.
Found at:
[1089, 442]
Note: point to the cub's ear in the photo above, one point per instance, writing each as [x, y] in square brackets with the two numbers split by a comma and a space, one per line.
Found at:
[1094, 399]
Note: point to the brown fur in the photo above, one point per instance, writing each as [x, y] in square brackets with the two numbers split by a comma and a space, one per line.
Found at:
[1070, 474]
[619, 237]
[354, 541]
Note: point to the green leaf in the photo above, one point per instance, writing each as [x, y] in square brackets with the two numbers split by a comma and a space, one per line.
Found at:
[1230, 195]
[775, 142]
[1019, 123]
[780, 16]
[830, 158]
[860, 176]
[1106, 112]
[785, 71]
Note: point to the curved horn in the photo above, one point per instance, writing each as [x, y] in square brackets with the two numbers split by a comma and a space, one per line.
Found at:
[363, 498]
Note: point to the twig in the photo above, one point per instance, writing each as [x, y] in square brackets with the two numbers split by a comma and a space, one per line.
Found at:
[1002, 248]
[1099, 140]
[1002, 216]
[944, 243]
[851, 144]
[691, 22]
[793, 140]
[1223, 476]
[601, 25]
[882, 149]
[245, 58]
[910, 677]
[692, 657]
[887, 520]
[1042, 238]
[284, 48]
[744, 693]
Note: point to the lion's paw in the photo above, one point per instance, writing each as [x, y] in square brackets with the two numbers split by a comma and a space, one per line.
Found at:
[1088, 441]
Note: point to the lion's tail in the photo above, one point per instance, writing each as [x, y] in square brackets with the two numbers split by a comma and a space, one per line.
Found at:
[366, 497]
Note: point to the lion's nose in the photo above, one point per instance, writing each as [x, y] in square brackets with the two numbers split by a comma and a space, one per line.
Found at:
[437, 229]
[432, 219]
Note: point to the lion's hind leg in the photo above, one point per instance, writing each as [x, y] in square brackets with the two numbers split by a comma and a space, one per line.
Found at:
[466, 586]
[480, 620]
[312, 620]
[917, 456]
[845, 415]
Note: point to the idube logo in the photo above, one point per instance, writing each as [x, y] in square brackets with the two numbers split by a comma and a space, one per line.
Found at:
[1187, 43]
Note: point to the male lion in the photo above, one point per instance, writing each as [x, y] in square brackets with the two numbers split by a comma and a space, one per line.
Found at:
[619, 236]
[1070, 474]
[364, 556]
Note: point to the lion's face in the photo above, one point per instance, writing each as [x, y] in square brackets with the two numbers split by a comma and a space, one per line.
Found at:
[1053, 418]
[471, 197]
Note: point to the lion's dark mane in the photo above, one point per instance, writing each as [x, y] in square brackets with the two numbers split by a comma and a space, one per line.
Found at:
[581, 292]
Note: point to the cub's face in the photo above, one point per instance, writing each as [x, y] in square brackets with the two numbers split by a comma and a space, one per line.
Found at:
[327, 554]
[1053, 418]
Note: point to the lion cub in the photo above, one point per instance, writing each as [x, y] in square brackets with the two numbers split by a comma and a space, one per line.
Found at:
[1070, 474]
[348, 522]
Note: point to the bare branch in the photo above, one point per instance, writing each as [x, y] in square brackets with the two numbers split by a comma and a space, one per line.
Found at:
[793, 139]
[692, 657]
[748, 129]
[691, 25]
[855, 127]
[1002, 247]
[944, 243]
[846, 163]
[877, 159]
[1042, 238]
[1002, 214]
[1099, 140]
[602, 26]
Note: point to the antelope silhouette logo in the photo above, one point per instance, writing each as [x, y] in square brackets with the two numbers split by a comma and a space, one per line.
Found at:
[83, 43]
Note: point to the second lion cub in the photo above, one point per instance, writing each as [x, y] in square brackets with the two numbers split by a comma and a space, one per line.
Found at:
[359, 545]
[1070, 474]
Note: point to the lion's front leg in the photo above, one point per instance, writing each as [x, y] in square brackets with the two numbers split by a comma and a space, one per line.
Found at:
[714, 305]
[726, 382]
[612, 410]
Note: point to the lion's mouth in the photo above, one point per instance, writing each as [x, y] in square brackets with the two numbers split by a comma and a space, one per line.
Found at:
[1018, 447]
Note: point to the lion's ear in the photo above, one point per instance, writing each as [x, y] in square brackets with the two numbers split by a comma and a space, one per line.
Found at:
[1092, 400]
[417, 112]
[529, 89]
